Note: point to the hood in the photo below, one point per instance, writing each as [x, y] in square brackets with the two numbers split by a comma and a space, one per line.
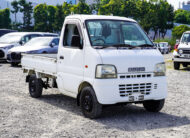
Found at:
[2, 45]
[23, 49]
[184, 45]
[125, 59]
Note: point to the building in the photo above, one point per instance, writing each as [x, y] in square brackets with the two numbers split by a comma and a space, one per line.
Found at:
[186, 6]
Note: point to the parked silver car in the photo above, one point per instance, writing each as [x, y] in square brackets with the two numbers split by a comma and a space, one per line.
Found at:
[37, 45]
[15, 39]
[164, 48]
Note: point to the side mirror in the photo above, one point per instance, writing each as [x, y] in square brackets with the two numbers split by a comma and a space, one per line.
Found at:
[21, 42]
[177, 41]
[52, 44]
[76, 41]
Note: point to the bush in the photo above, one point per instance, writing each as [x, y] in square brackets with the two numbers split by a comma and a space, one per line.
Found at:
[179, 30]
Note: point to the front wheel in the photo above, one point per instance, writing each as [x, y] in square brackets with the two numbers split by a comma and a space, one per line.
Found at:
[89, 104]
[185, 65]
[35, 86]
[176, 65]
[154, 105]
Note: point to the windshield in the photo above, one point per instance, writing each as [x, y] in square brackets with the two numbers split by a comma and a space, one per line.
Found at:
[10, 38]
[114, 32]
[162, 45]
[186, 38]
[39, 41]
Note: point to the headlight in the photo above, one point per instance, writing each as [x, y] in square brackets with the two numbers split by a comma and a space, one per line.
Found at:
[106, 72]
[160, 69]
[180, 51]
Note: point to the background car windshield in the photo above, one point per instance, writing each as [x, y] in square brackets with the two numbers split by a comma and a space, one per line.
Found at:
[40, 41]
[110, 32]
[162, 45]
[186, 38]
[10, 38]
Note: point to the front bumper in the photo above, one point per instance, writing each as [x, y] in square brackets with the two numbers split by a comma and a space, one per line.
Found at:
[3, 54]
[186, 60]
[133, 89]
[14, 57]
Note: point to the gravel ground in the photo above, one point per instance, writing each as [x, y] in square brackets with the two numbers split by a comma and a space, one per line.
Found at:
[55, 115]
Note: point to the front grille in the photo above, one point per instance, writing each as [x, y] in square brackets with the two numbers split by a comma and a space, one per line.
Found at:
[15, 56]
[186, 51]
[130, 89]
[135, 76]
[2, 54]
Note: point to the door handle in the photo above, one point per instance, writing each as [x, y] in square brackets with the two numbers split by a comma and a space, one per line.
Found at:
[61, 57]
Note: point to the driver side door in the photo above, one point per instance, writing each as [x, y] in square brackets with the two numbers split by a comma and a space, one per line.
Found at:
[70, 60]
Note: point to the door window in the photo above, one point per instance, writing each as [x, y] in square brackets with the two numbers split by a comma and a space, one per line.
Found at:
[71, 30]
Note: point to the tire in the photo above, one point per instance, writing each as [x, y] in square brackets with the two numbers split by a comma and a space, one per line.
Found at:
[153, 105]
[14, 64]
[35, 87]
[185, 65]
[176, 65]
[89, 104]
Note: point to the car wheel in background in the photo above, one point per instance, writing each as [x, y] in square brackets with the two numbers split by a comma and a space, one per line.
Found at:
[176, 65]
[14, 64]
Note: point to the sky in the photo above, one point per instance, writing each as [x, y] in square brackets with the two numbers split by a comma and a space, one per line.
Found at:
[175, 3]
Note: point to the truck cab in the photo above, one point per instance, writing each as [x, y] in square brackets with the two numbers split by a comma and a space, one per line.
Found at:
[182, 52]
[101, 60]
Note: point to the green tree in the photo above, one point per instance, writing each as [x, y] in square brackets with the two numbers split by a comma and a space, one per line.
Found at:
[66, 9]
[113, 7]
[81, 8]
[129, 8]
[5, 21]
[51, 10]
[59, 18]
[41, 18]
[27, 10]
[179, 30]
[16, 8]
[182, 16]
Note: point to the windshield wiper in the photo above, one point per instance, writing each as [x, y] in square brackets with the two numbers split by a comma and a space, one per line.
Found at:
[103, 47]
[145, 45]
[124, 45]
[115, 46]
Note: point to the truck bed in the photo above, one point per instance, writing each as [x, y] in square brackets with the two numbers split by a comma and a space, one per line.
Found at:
[43, 63]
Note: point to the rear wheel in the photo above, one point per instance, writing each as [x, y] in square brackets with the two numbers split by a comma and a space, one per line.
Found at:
[89, 103]
[35, 86]
[154, 105]
[13, 64]
[176, 65]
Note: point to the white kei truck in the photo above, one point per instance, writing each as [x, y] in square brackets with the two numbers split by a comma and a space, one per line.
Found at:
[182, 51]
[101, 60]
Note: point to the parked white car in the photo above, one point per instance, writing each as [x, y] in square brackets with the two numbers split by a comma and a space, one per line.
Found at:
[182, 51]
[164, 47]
[101, 60]
[36, 45]
[15, 39]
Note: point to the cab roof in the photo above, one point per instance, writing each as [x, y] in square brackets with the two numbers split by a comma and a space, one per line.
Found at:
[96, 17]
